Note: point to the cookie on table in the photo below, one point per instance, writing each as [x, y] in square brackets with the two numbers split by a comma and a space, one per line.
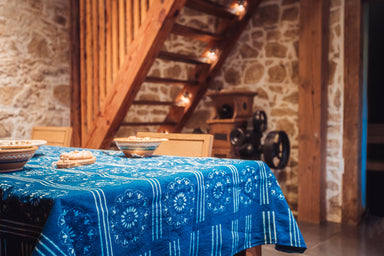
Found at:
[75, 158]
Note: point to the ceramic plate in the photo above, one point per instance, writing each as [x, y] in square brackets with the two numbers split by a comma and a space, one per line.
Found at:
[14, 159]
[13, 144]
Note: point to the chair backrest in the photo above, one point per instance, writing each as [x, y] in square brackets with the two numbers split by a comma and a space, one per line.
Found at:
[55, 136]
[182, 144]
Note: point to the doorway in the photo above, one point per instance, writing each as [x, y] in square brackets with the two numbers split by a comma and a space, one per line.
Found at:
[375, 107]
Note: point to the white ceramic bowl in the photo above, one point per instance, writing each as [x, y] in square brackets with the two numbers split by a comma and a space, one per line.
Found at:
[138, 147]
[15, 159]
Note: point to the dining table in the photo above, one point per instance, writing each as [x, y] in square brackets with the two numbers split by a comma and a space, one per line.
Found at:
[143, 206]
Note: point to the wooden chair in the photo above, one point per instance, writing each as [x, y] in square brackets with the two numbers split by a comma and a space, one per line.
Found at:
[55, 136]
[182, 144]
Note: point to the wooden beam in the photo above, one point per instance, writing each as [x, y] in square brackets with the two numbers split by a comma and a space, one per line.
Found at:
[129, 23]
[83, 71]
[108, 47]
[115, 39]
[136, 16]
[313, 72]
[352, 208]
[75, 72]
[143, 10]
[122, 31]
[88, 91]
[102, 51]
[95, 61]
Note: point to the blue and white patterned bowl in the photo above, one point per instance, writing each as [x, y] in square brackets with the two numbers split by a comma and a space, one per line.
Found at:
[15, 159]
[137, 147]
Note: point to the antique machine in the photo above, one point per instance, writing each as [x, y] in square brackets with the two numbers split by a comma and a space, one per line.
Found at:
[238, 132]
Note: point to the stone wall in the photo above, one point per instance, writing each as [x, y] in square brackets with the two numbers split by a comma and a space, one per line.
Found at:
[335, 161]
[34, 66]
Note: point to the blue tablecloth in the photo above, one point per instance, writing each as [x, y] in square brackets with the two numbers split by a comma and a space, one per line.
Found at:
[160, 205]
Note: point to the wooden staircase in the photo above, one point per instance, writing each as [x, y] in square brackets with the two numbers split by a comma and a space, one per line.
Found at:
[118, 41]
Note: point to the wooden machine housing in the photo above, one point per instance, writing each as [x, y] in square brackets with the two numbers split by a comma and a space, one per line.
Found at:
[233, 110]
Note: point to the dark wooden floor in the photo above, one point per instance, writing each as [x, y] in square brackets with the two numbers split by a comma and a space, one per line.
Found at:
[338, 240]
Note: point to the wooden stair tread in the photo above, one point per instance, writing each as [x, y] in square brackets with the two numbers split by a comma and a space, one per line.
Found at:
[147, 123]
[375, 134]
[208, 7]
[181, 58]
[375, 165]
[193, 33]
[161, 80]
[153, 102]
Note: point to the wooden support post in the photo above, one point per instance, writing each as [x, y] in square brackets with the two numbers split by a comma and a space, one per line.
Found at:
[352, 207]
[313, 72]
[75, 72]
